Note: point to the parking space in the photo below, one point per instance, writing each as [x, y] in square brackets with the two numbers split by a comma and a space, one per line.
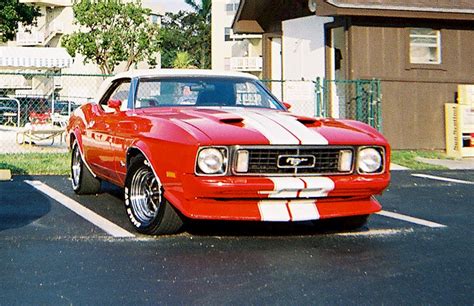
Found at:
[52, 255]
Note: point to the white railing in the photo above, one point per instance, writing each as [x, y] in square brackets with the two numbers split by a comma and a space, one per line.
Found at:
[39, 36]
[14, 82]
[24, 38]
[53, 28]
[246, 63]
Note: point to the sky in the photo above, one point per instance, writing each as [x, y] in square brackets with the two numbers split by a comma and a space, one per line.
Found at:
[173, 5]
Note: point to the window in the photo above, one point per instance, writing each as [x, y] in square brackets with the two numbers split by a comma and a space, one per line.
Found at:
[425, 46]
[231, 7]
[118, 91]
[203, 91]
[227, 33]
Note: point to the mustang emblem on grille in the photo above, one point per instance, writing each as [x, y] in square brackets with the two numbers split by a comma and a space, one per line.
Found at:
[295, 161]
[291, 161]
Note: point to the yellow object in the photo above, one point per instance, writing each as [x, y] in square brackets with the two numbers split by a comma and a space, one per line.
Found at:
[170, 174]
[466, 94]
[459, 130]
[5, 175]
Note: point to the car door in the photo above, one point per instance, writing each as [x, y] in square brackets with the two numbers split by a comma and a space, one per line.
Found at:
[101, 130]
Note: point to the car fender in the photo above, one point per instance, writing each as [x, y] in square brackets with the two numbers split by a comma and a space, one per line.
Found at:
[75, 133]
[161, 173]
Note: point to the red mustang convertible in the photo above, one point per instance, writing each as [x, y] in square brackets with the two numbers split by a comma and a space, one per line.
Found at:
[205, 145]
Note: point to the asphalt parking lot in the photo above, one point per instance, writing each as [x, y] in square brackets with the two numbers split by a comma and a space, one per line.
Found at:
[417, 251]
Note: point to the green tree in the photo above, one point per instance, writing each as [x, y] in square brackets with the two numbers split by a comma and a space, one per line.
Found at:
[185, 32]
[11, 13]
[203, 9]
[112, 32]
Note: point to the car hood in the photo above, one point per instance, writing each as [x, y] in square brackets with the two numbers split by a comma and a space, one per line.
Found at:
[254, 126]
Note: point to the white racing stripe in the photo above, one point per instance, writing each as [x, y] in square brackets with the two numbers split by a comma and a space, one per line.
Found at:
[410, 219]
[274, 132]
[300, 187]
[280, 128]
[99, 221]
[285, 187]
[305, 135]
[303, 210]
[317, 187]
[282, 210]
[273, 210]
[444, 179]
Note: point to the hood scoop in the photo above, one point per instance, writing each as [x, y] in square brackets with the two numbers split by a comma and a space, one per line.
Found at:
[308, 121]
[229, 119]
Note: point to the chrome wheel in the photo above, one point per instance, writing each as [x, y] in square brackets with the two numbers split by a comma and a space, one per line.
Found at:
[145, 195]
[76, 167]
[146, 206]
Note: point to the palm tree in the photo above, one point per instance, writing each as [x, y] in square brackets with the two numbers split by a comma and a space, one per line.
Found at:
[203, 9]
[183, 60]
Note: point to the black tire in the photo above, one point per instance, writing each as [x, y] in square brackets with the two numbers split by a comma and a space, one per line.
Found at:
[343, 223]
[148, 210]
[83, 182]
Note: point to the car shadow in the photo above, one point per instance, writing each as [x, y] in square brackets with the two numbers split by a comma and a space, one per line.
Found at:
[249, 228]
[21, 204]
[246, 228]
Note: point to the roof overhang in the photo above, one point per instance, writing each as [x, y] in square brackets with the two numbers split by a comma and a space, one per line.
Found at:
[409, 9]
[31, 57]
[258, 16]
[247, 16]
[264, 16]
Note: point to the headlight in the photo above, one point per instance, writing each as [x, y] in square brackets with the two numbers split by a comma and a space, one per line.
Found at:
[212, 161]
[370, 160]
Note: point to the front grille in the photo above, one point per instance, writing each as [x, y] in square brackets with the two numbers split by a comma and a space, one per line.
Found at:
[264, 160]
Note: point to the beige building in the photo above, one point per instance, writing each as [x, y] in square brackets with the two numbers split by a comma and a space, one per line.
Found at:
[233, 52]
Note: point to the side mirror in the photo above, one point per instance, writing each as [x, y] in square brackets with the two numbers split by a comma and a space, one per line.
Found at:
[287, 105]
[115, 104]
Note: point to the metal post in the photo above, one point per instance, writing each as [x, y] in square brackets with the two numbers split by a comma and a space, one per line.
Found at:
[318, 97]
[371, 106]
[379, 105]
[52, 98]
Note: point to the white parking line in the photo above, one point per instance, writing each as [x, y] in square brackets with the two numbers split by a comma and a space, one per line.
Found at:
[439, 178]
[99, 221]
[410, 219]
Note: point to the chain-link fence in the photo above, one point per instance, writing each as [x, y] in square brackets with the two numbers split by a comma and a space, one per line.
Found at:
[351, 99]
[300, 94]
[35, 107]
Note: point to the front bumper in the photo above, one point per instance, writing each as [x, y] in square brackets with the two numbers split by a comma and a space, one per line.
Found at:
[276, 198]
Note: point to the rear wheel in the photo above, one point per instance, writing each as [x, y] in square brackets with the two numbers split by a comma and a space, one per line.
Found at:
[147, 209]
[83, 182]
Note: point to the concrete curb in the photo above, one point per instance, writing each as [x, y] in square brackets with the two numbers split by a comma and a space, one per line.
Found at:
[452, 164]
[395, 167]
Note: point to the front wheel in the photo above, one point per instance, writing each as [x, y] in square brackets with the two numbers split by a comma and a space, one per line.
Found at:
[149, 212]
[83, 181]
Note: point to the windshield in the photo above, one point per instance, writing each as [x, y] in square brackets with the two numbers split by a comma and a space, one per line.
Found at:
[203, 91]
